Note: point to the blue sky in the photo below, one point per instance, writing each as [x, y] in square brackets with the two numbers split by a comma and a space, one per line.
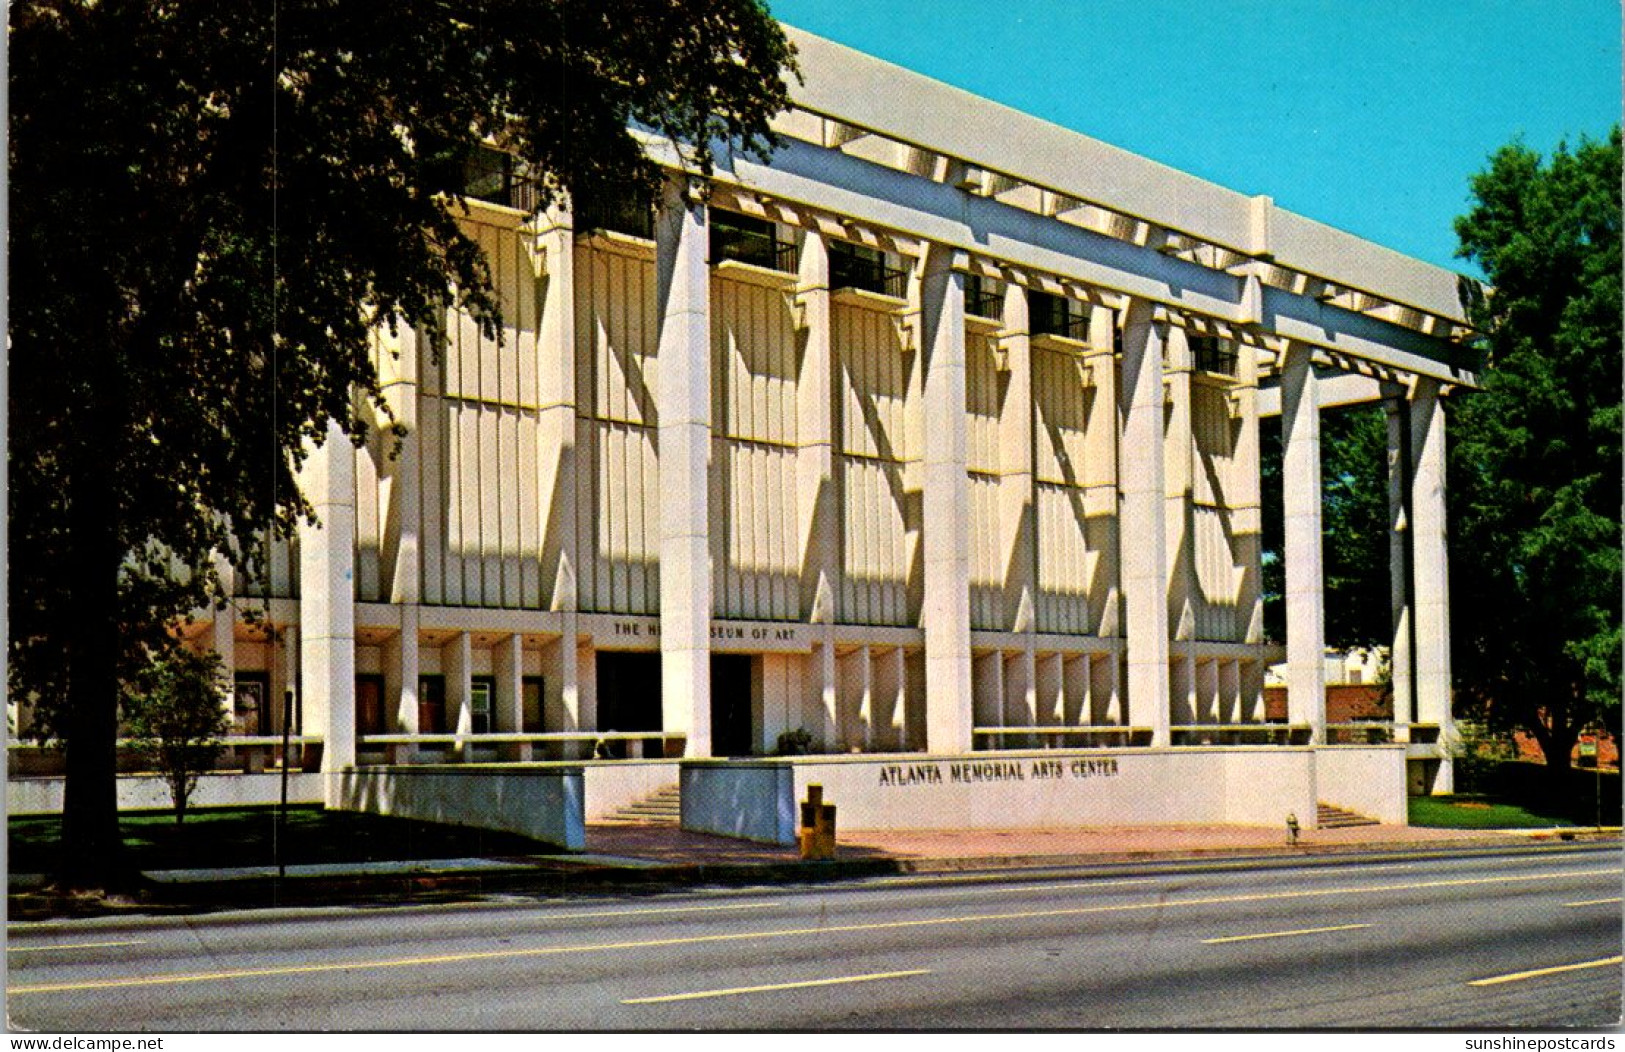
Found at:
[1370, 116]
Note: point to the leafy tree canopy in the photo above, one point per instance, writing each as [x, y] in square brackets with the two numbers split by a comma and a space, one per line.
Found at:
[213, 205]
[1535, 456]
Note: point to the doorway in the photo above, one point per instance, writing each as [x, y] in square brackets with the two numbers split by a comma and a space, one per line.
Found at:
[731, 724]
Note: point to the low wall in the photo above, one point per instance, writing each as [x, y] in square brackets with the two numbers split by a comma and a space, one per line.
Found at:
[1368, 780]
[1044, 789]
[613, 784]
[747, 799]
[542, 802]
[149, 792]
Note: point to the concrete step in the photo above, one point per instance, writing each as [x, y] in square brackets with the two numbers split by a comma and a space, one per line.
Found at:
[663, 807]
[1330, 817]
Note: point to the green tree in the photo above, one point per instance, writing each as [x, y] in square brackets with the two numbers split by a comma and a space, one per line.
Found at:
[1535, 456]
[213, 206]
[1354, 527]
[173, 713]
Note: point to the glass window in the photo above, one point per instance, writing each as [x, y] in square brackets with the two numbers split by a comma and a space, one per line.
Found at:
[1051, 315]
[748, 239]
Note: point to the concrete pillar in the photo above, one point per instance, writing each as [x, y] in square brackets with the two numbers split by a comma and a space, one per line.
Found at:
[1017, 524]
[1432, 573]
[1102, 498]
[327, 599]
[457, 665]
[398, 371]
[1305, 580]
[818, 515]
[946, 611]
[556, 454]
[1144, 555]
[1401, 653]
[223, 641]
[684, 400]
[817, 503]
[1246, 514]
[285, 678]
[1179, 449]
[507, 666]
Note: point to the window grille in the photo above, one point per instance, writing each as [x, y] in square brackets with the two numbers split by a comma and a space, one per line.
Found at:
[1057, 316]
[857, 267]
[751, 240]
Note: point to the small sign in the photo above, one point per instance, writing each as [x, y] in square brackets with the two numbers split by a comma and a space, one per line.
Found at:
[1588, 746]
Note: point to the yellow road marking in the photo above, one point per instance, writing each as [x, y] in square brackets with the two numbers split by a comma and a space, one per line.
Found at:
[593, 914]
[697, 995]
[783, 933]
[1537, 972]
[1282, 934]
[1593, 902]
[74, 946]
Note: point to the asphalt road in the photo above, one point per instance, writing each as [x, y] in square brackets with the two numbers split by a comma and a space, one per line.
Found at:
[1527, 939]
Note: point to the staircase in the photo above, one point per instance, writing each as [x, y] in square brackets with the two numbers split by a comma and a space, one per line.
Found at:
[1329, 817]
[663, 807]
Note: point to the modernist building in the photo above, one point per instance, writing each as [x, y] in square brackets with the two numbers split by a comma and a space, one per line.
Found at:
[939, 432]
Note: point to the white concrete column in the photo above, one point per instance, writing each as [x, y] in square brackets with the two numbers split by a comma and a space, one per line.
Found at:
[1246, 510]
[1432, 574]
[327, 599]
[457, 665]
[946, 609]
[821, 708]
[1305, 578]
[1020, 695]
[684, 398]
[817, 512]
[1101, 498]
[1401, 657]
[1017, 524]
[817, 501]
[285, 677]
[223, 640]
[1143, 535]
[507, 666]
[1179, 449]
[556, 457]
[406, 667]
[398, 371]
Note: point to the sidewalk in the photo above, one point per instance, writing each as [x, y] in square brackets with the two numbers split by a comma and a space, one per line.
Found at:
[653, 857]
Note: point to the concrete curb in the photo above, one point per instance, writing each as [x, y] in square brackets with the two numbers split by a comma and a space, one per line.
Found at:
[560, 875]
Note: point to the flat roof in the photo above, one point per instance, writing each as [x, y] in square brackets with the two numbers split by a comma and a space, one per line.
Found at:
[879, 97]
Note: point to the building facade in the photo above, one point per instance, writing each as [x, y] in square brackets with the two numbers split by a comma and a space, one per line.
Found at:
[938, 432]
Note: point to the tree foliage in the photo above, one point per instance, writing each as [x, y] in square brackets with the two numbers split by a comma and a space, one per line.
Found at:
[173, 713]
[1535, 456]
[1354, 528]
[213, 206]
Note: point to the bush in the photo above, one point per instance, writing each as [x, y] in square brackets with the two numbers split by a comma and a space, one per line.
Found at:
[794, 743]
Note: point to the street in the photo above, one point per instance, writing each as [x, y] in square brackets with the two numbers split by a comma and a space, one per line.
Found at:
[1527, 938]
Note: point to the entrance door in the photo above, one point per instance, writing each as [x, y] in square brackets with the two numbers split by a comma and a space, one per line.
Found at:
[628, 693]
[431, 704]
[369, 705]
[731, 704]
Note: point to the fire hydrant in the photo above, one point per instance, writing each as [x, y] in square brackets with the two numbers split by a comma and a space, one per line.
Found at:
[1291, 829]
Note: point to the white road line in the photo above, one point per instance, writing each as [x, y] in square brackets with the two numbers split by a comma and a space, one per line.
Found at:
[1282, 934]
[734, 991]
[74, 946]
[1535, 973]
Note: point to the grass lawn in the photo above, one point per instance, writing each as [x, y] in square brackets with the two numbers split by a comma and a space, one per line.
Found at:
[215, 838]
[1460, 812]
